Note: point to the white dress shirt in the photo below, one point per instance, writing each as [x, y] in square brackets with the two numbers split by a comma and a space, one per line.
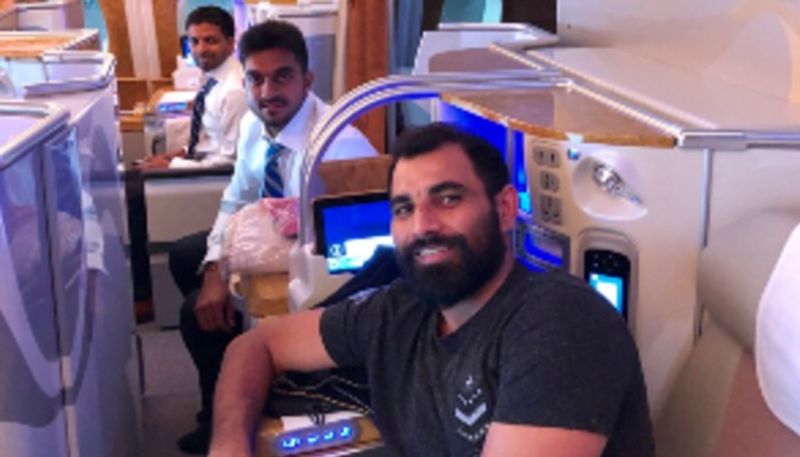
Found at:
[226, 103]
[248, 175]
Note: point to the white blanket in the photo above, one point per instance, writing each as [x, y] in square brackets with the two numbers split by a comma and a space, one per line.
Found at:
[777, 345]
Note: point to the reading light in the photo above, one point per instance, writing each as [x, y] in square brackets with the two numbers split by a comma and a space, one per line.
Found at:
[611, 182]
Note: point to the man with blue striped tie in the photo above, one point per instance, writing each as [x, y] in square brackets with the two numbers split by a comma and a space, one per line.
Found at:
[272, 143]
[273, 182]
[221, 101]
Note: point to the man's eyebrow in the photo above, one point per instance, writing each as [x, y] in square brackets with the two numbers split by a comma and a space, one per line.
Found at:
[288, 68]
[438, 188]
[446, 185]
[400, 199]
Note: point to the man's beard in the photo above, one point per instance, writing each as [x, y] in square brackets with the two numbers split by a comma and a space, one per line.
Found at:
[257, 105]
[442, 286]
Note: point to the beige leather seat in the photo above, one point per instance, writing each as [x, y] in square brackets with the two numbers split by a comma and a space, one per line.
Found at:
[716, 407]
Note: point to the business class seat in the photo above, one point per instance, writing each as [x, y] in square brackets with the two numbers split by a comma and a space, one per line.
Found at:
[163, 206]
[266, 294]
[717, 407]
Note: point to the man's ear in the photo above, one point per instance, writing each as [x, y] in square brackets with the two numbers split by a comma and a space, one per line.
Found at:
[308, 79]
[231, 45]
[507, 204]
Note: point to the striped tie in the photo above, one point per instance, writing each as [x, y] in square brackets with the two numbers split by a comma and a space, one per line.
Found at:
[273, 182]
[197, 115]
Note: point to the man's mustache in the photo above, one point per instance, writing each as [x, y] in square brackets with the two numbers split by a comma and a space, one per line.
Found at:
[273, 100]
[429, 240]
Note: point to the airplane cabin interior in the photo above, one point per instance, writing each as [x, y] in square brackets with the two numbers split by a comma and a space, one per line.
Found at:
[654, 147]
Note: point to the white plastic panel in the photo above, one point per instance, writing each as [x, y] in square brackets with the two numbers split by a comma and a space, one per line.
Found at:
[452, 37]
[664, 229]
[57, 64]
[699, 99]
[746, 182]
[742, 182]
[32, 419]
[179, 207]
[752, 43]
[50, 15]
[14, 126]
[105, 411]
[310, 282]
[90, 269]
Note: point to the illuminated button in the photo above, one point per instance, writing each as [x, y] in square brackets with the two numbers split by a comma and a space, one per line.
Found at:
[329, 435]
[573, 154]
[312, 439]
[290, 443]
[346, 431]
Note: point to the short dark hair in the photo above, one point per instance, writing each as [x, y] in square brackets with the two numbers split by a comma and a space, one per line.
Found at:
[272, 34]
[486, 160]
[212, 15]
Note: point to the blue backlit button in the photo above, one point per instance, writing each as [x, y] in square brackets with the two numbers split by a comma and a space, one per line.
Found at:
[346, 431]
[291, 442]
[573, 154]
[313, 439]
[329, 435]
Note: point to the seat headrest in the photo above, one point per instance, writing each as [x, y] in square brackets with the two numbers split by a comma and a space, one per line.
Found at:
[735, 267]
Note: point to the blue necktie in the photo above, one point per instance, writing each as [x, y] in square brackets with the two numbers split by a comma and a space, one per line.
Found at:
[197, 115]
[273, 182]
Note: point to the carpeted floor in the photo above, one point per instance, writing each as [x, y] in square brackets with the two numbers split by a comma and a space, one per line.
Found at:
[171, 396]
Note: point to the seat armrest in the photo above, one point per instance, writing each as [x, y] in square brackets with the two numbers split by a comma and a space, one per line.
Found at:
[187, 173]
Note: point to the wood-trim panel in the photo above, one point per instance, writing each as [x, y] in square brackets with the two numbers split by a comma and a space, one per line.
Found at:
[367, 58]
[165, 18]
[118, 41]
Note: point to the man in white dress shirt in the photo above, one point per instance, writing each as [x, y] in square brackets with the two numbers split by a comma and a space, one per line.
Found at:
[272, 142]
[221, 100]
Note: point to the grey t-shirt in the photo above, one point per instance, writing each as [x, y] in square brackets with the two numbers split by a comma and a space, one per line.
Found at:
[544, 351]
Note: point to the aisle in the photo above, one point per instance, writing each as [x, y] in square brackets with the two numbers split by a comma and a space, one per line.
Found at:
[171, 396]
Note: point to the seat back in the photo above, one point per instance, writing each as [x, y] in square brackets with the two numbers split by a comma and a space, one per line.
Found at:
[355, 175]
[266, 294]
[716, 407]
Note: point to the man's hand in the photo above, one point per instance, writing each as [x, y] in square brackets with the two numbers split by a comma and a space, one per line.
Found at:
[213, 308]
[158, 161]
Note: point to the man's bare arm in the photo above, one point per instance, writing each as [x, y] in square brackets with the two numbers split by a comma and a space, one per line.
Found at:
[509, 440]
[251, 361]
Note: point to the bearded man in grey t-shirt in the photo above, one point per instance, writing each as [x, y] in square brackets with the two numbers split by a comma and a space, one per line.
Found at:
[469, 353]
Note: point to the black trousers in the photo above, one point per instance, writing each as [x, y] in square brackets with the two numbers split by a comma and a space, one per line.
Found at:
[205, 348]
